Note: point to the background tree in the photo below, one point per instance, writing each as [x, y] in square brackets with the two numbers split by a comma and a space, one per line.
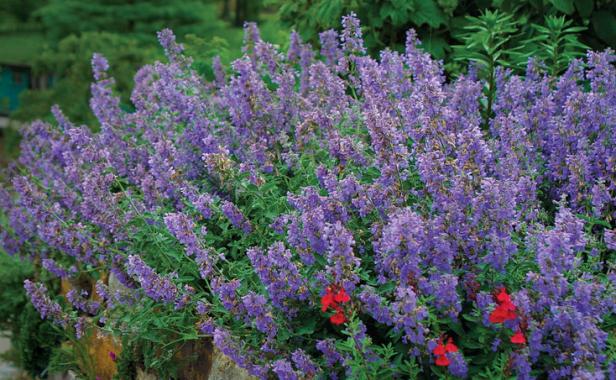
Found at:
[124, 31]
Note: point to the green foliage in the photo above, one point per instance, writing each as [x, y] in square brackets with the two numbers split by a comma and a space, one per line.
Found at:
[138, 19]
[36, 341]
[441, 23]
[13, 272]
[71, 63]
[497, 39]
[557, 43]
[485, 38]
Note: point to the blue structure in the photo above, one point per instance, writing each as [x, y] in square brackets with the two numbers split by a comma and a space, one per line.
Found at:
[13, 80]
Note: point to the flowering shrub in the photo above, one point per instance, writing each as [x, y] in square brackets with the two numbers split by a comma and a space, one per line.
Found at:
[335, 217]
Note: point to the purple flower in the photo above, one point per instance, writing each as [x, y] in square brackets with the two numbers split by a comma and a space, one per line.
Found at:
[351, 37]
[283, 369]
[47, 308]
[154, 286]
[236, 217]
[280, 275]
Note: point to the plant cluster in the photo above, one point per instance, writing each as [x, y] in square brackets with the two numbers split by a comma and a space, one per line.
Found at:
[441, 24]
[325, 214]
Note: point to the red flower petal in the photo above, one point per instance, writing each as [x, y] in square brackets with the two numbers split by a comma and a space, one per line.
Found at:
[326, 301]
[442, 361]
[497, 315]
[502, 313]
[342, 296]
[439, 350]
[518, 338]
[338, 318]
[503, 297]
[507, 306]
[450, 346]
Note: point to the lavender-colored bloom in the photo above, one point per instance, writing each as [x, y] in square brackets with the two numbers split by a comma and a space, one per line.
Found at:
[219, 73]
[342, 262]
[329, 47]
[610, 239]
[331, 355]
[260, 314]
[51, 266]
[351, 37]
[304, 363]
[80, 327]
[227, 292]
[100, 65]
[173, 50]
[43, 304]
[79, 300]
[457, 366]
[280, 275]
[375, 306]
[295, 46]
[283, 369]
[182, 227]
[156, 287]
[236, 217]
[408, 316]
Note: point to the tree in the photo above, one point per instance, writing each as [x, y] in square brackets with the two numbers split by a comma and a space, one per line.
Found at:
[70, 63]
[124, 31]
[139, 19]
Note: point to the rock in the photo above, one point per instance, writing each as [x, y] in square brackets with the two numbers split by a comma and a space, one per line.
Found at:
[224, 368]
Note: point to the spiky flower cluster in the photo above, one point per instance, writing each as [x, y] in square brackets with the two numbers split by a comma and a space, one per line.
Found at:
[373, 187]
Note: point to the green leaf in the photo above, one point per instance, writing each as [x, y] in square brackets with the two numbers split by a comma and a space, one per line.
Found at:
[604, 24]
[428, 12]
[565, 6]
[307, 328]
[584, 7]
[435, 45]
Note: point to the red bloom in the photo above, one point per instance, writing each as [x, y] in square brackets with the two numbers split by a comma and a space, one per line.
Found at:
[518, 338]
[502, 313]
[439, 349]
[333, 297]
[442, 361]
[342, 296]
[505, 310]
[327, 300]
[503, 297]
[338, 318]
[450, 346]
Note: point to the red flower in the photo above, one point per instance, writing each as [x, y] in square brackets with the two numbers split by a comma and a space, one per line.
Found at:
[342, 296]
[503, 297]
[450, 347]
[338, 318]
[333, 297]
[112, 356]
[439, 349]
[442, 361]
[502, 313]
[505, 310]
[518, 338]
[327, 300]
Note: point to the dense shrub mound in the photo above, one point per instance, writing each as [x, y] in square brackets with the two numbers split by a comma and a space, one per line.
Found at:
[329, 215]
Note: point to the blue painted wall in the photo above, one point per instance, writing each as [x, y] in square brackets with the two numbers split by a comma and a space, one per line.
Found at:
[13, 80]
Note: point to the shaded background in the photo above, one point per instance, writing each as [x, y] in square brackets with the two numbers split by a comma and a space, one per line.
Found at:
[46, 45]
